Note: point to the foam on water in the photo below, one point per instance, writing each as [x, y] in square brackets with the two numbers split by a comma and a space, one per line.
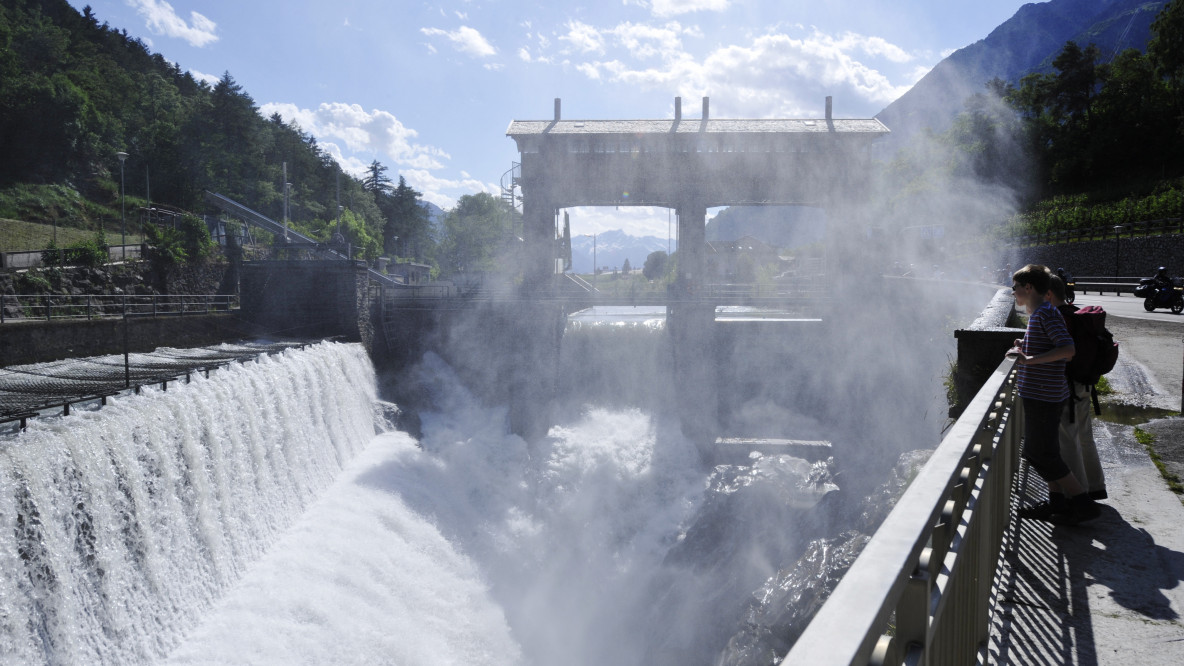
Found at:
[122, 525]
[255, 518]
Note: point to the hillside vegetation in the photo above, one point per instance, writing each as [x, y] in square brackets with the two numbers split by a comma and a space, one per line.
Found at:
[74, 93]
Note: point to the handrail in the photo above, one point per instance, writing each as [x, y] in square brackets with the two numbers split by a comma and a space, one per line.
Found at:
[1136, 228]
[47, 307]
[933, 560]
[260, 220]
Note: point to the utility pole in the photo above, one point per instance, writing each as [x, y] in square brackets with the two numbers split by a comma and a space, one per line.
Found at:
[287, 187]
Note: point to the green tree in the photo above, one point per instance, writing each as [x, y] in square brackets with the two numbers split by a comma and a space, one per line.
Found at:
[655, 265]
[408, 222]
[1166, 47]
[481, 233]
[376, 180]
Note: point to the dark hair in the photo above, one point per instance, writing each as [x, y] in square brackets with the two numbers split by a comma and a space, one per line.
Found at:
[1057, 286]
[1036, 275]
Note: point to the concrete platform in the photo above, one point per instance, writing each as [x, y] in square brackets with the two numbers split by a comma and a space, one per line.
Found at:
[1110, 591]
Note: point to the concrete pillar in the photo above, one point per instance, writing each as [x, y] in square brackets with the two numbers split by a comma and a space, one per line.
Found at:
[692, 239]
[690, 322]
[540, 248]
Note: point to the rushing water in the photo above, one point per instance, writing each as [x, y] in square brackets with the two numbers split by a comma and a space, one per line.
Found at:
[255, 517]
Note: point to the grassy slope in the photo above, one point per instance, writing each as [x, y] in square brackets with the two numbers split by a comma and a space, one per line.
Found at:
[17, 236]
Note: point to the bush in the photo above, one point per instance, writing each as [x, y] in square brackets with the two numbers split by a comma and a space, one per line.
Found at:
[91, 253]
[32, 283]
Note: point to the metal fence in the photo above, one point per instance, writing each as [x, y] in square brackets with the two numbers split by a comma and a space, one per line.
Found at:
[28, 391]
[1169, 225]
[48, 307]
[919, 593]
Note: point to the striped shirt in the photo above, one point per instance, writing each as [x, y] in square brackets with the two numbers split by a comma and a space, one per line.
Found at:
[1044, 381]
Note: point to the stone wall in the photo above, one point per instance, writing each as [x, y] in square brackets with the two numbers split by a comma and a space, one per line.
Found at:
[1125, 257]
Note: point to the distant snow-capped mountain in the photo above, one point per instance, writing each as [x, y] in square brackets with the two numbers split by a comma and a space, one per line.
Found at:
[613, 248]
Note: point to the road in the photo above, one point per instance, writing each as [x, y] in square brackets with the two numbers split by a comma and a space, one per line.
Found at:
[1151, 350]
[1127, 306]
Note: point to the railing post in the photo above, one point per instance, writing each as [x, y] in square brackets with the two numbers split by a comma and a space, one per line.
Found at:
[912, 612]
[155, 300]
[45, 299]
[88, 307]
[182, 305]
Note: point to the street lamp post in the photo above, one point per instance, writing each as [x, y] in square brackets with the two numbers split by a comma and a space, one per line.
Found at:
[122, 206]
[1117, 233]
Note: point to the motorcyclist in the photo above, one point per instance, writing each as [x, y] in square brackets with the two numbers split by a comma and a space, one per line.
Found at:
[1162, 280]
[1067, 280]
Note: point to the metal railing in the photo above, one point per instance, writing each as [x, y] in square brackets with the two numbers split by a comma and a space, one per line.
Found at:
[1169, 225]
[931, 563]
[1102, 284]
[48, 307]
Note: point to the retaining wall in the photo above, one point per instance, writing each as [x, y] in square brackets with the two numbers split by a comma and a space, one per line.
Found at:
[38, 341]
[1127, 257]
[308, 299]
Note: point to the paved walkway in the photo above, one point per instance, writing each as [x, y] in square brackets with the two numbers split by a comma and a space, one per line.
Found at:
[1110, 591]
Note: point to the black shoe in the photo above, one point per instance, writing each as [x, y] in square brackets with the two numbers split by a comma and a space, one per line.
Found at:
[1098, 494]
[1081, 509]
[1044, 510]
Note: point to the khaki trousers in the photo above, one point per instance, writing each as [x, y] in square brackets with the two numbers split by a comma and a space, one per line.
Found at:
[1078, 449]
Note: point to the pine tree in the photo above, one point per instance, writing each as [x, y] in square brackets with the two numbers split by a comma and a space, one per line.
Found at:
[376, 180]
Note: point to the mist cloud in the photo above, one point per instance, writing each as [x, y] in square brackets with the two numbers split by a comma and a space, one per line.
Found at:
[162, 19]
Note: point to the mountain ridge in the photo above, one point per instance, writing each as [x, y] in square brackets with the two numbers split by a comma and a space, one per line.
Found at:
[1025, 43]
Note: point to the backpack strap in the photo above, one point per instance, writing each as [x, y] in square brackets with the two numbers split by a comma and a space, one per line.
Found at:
[1093, 391]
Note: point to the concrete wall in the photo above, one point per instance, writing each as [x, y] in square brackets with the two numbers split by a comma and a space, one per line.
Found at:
[982, 345]
[1125, 257]
[38, 341]
[307, 299]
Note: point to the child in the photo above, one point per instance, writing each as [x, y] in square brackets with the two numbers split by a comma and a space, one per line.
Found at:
[1041, 383]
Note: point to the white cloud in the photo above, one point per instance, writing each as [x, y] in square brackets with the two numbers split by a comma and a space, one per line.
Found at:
[873, 46]
[445, 191]
[583, 38]
[775, 74]
[362, 132]
[465, 40]
[633, 220]
[665, 8]
[207, 78]
[646, 41]
[589, 70]
[162, 19]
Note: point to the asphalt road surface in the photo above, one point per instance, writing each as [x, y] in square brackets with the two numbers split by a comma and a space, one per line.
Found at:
[1128, 306]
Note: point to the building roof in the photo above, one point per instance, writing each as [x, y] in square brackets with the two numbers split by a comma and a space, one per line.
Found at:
[696, 126]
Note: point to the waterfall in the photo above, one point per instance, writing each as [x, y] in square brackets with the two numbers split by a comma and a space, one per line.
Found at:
[120, 527]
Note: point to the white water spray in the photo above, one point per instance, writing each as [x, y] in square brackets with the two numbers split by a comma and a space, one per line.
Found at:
[255, 518]
[121, 526]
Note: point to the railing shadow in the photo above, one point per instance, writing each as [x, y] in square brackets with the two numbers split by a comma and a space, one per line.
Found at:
[1051, 574]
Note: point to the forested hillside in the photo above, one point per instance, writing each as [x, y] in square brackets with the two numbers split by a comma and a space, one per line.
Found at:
[75, 92]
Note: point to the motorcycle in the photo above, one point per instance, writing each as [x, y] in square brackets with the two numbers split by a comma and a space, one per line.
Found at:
[1171, 297]
[1070, 296]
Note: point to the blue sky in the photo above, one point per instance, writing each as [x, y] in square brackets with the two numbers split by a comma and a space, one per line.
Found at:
[429, 88]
